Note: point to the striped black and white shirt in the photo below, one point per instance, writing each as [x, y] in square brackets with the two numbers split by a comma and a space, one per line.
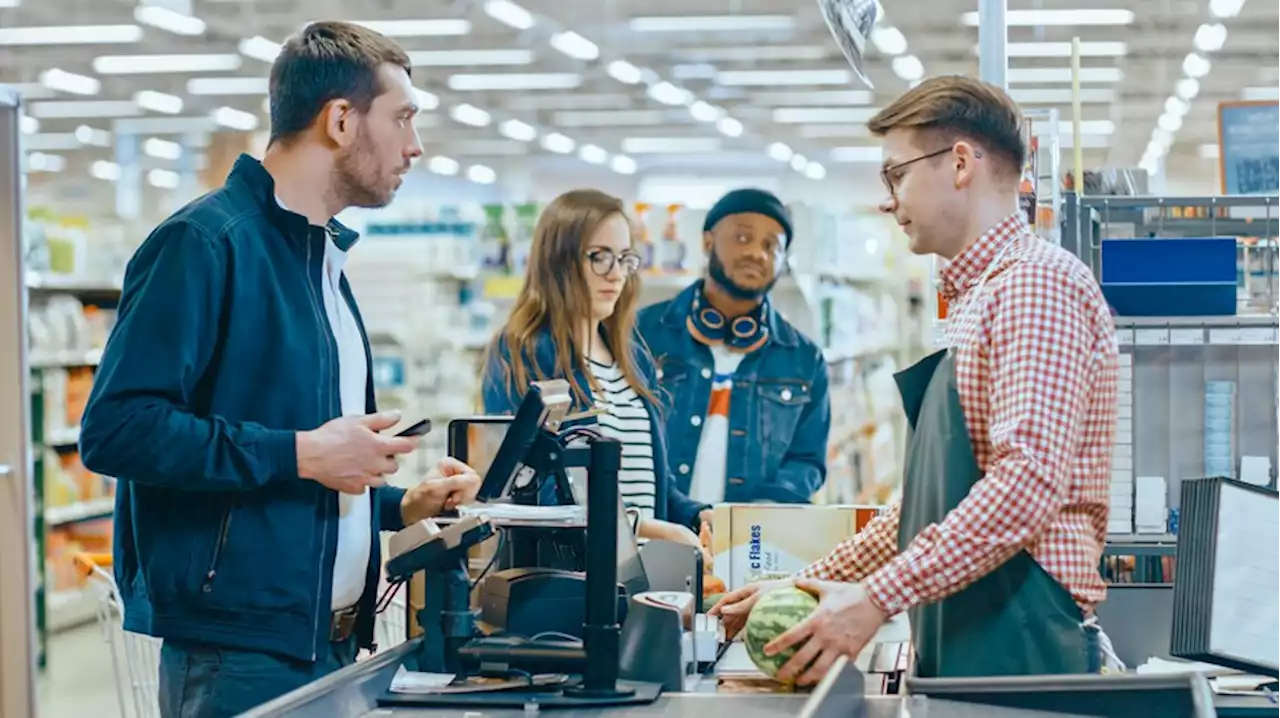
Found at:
[624, 417]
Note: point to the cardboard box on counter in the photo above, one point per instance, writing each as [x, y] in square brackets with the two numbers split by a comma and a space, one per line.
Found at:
[754, 541]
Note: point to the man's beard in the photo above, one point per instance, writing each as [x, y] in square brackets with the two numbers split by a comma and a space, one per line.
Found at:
[356, 176]
[716, 269]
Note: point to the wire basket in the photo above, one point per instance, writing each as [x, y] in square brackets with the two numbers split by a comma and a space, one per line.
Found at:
[135, 658]
[392, 627]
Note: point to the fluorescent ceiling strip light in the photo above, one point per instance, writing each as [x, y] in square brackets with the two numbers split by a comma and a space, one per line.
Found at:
[481, 174]
[558, 143]
[842, 130]
[694, 71]
[1260, 94]
[468, 58]
[729, 127]
[162, 149]
[517, 130]
[888, 40]
[1196, 66]
[28, 125]
[908, 67]
[814, 97]
[84, 109]
[669, 145]
[259, 48]
[610, 118]
[162, 18]
[593, 154]
[156, 64]
[712, 23]
[470, 115]
[51, 141]
[514, 81]
[444, 27]
[802, 115]
[623, 165]
[92, 136]
[704, 111]
[624, 72]
[1169, 123]
[1062, 96]
[106, 171]
[161, 102]
[228, 86]
[10, 3]
[71, 35]
[815, 171]
[1210, 37]
[574, 45]
[426, 101]
[752, 54]
[41, 162]
[1177, 106]
[442, 165]
[1209, 152]
[1063, 49]
[234, 119]
[874, 153]
[164, 179]
[70, 82]
[798, 162]
[1225, 8]
[1058, 18]
[783, 77]
[669, 94]
[165, 126]
[779, 151]
[1187, 88]
[509, 14]
[1030, 75]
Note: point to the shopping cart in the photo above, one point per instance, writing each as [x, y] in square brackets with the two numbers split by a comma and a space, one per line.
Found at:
[135, 659]
[392, 626]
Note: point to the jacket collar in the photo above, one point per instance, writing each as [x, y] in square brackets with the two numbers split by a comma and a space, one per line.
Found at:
[678, 309]
[250, 174]
[967, 268]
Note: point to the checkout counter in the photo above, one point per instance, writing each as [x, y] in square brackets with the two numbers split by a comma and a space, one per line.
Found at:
[649, 663]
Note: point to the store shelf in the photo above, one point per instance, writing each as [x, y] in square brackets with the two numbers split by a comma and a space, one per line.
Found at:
[67, 437]
[71, 284]
[71, 608]
[66, 359]
[55, 516]
[1141, 545]
[1241, 330]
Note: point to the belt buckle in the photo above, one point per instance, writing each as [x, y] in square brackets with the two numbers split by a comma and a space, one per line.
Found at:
[342, 624]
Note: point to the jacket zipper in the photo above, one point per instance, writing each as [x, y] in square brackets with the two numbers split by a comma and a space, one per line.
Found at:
[324, 534]
[212, 573]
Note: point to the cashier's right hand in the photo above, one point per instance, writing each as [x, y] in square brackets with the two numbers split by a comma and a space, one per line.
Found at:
[734, 607]
[349, 454]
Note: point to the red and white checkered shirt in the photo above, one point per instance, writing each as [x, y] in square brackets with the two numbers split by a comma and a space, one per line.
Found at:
[1036, 366]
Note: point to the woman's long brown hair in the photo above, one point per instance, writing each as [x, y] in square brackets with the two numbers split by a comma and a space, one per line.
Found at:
[555, 299]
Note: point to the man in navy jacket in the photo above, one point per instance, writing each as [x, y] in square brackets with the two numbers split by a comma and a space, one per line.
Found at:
[235, 403]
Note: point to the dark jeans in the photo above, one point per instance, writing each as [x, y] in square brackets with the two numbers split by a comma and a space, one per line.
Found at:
[202, 681]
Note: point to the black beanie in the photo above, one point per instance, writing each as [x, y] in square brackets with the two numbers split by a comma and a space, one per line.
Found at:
[750, 201]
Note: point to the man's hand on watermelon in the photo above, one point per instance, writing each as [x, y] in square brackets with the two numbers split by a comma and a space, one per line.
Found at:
[735, 606]
[843, 624]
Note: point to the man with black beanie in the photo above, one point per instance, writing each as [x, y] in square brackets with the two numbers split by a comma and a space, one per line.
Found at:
[747, 410]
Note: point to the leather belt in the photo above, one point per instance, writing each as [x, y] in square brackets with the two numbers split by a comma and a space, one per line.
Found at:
[342, 624]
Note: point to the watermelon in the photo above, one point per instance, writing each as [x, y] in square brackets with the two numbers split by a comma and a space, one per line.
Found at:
[774, 613]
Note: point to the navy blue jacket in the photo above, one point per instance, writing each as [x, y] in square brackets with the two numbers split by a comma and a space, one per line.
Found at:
[499, 398]
[779, 408]
[221, 353]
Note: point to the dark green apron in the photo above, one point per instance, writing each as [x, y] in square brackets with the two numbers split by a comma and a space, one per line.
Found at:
[1016, 620]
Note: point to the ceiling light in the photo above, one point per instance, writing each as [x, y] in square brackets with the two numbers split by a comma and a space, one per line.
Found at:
[103, 170]
[804, 115]
[85, 109]
[623, 165]
[783, 77]
[1209, 151]
[1063, 74]
[1038, 18]
[51, 142]
[71, 35]
[610, 118]
[515, 81]
[418, 28]
[1061, 96]
[162, 149]
[234, 119]
[165, 126]
[1169, 123]
[556, 142]
[1196, 66]
[260, 48]
[1161, 140]
[1225, 8]
[509, 14]
[1260, 94]
[41, 162]
[161, 102]
[70, 82]
[92, 137]
[575, 45]
[670, 145]
[1063, 49]
[164, 179]
[729, 127]
[1177, 106]
[470, 115]
[908, 67]
[752, 53]
[874, 153]
[442, 165]
[466, 58]
[426, 100]
[228, 86]
[815, 171]
[798, 162]
[517, 130]
[712, 23]
[593, 154]
[150, 64]
[779, 152]
[668, 94]
[813, 97]
[705, 112]
[1210, 38]
[481, 174]
[888, 39]
[33, 90]
[28, 125]
[162, 18]
[624, 72]
[694, 71]
[1188, 88]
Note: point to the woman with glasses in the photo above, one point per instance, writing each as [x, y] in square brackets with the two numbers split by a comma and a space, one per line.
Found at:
[574, 319]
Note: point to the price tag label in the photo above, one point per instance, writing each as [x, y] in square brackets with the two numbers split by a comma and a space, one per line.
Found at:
[1224, 337]
[1151, 337]
[1124, 337]
[1256, 335]
[1186, 337]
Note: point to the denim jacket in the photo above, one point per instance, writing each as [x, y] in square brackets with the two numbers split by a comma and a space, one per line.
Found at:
[779, 409]
[499, 398]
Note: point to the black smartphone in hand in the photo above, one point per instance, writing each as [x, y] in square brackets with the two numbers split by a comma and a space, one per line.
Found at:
[422, 428]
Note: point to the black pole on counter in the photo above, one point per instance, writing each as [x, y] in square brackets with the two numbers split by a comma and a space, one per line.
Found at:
[601, 634]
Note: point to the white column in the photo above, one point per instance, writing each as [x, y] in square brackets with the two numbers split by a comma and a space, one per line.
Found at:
[993, 42]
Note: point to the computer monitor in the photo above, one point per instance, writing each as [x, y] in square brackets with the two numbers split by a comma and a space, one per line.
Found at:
[543, 408]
